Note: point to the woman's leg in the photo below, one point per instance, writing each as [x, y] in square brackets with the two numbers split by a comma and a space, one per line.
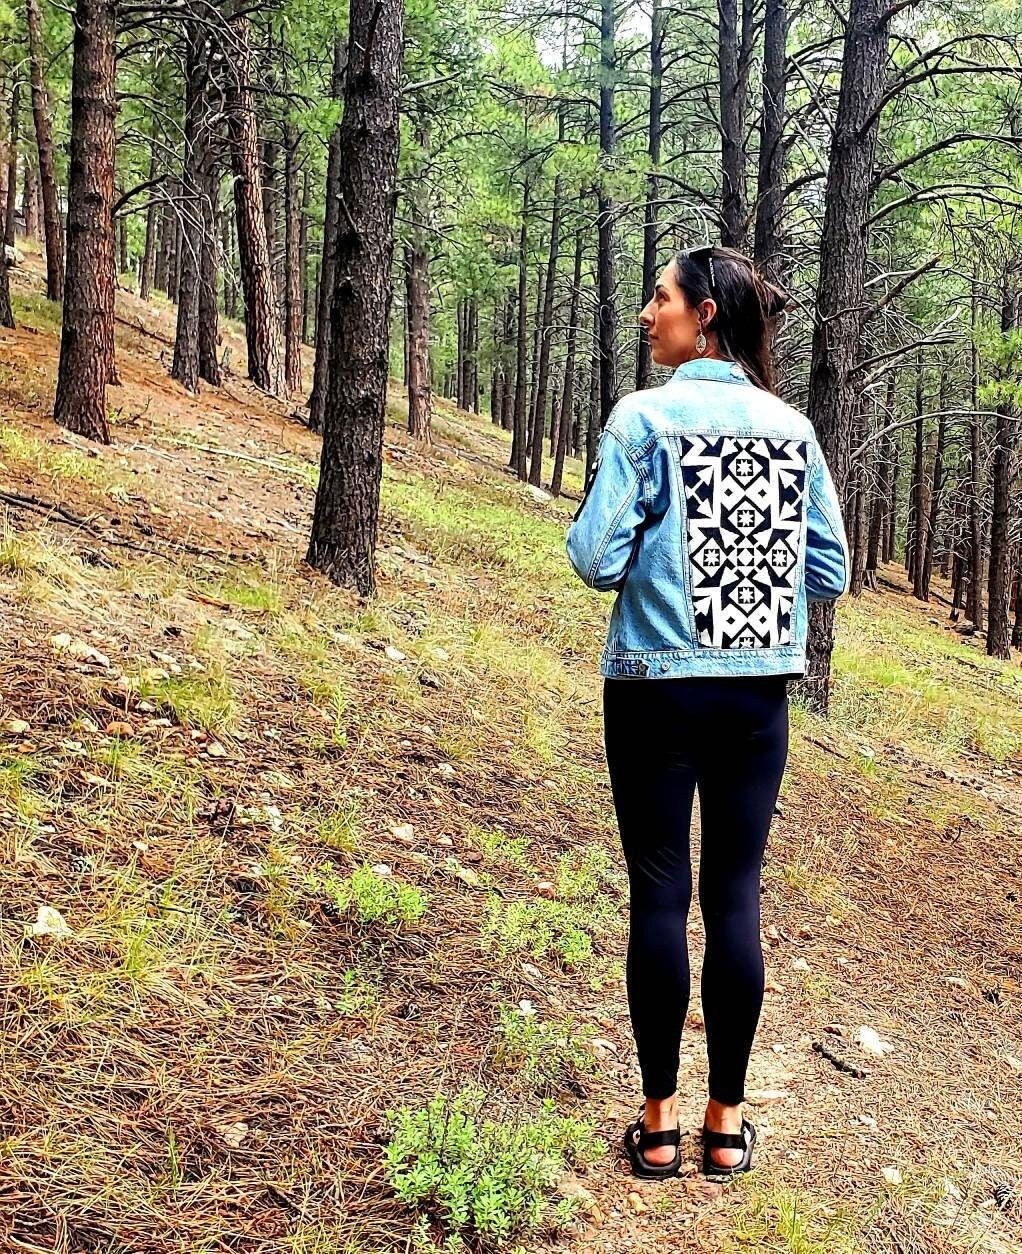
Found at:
[737, 793]
[653, 780]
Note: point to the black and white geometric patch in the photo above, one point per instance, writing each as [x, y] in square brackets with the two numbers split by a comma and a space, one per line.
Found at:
[745, 501]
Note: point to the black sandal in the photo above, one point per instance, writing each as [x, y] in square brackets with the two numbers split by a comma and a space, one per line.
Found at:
[744, 1140]
[637, 1139]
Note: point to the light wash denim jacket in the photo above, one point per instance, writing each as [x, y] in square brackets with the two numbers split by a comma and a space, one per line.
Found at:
[713, 516]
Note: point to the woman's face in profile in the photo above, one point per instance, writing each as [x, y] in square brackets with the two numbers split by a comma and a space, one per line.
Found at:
[670, 322]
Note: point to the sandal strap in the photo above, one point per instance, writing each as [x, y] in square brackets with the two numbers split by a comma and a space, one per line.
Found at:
[726, 1140]
[655, 1140]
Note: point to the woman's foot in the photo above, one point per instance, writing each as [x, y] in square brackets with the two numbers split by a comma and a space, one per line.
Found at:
[660, 1116]
[720, 1118]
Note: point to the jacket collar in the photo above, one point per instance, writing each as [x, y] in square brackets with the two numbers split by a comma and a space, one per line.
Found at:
[712, 368]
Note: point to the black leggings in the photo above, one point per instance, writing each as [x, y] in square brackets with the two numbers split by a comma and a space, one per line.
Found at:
[665, 738]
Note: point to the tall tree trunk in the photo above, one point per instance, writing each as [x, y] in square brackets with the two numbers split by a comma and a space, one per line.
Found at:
[568, 389]
[878, 511]
[546, 329]
[735, 48]
[891, 530]
[1002, 474]
[344, 528]
[145, 278]
[417, 280]
[518, 443]
[769, 243]
[839, 293]
[936, 489]
[271, 208]
[44, 141]
[30, 200]
[643, 354]
[474, 359]
[12, 166]
[87, 332]
[593, 427]
[917, 499]
[417, 303]
[1016, 630]
[262, 329]
[605, 267]
[6, 311]
[185, 367]
[327, 269]
[228, 246]
[303, 256]
[974, 606]
[292, 263]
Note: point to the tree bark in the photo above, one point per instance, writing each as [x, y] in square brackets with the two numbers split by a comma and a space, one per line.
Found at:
[839, 294]
[936, 490]
[30, 200]
[292, 264]
[643, 354]
[520, 436]
[546, 330]
[44, 141]
[974, 605]
[12, 166]
[145, 277]
[735, 50]
[605, 267]
[769, 242]
[568, 389]
[917, 500]
[344, 528]
[1002, 474]
[6, 310]
[331, 227]
[262, 329]
[303, 256]
[417, 297]
[185, 367]
[87, 331]
[417, 304]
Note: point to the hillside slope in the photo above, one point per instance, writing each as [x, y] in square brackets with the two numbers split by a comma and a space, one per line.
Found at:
[313, 861]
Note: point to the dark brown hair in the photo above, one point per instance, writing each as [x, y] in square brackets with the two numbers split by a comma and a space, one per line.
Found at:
[746, 305]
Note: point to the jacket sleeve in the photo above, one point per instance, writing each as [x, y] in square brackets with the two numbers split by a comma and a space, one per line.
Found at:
[827, 565]
[606, 529]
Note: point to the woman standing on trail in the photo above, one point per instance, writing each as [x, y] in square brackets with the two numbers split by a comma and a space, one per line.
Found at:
[713, 516]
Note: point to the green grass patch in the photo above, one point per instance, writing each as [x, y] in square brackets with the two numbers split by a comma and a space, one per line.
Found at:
[31, 310]
[784, 1221]
[907, 683]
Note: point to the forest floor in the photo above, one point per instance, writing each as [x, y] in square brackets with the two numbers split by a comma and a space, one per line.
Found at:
[215, 769]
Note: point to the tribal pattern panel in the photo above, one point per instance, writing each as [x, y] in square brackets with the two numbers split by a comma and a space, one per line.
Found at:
[745, 501]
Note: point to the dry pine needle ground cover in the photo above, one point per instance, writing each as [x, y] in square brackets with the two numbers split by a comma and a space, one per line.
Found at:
[275, 863]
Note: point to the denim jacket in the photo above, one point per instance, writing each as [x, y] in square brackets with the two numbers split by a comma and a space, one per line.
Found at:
[713, 516]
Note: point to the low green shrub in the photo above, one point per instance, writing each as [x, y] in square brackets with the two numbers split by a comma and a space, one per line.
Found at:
[486, 1180]
[374, 898]
[548, 1054]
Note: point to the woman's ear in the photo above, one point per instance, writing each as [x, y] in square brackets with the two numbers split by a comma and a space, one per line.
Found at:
[707, 313]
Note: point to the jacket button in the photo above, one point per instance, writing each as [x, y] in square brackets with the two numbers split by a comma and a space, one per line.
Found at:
[664, 667]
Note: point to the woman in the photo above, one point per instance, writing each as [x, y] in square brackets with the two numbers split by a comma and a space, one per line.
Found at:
[713, 516]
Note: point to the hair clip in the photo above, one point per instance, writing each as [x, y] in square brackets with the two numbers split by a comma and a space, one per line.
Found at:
[707, 251]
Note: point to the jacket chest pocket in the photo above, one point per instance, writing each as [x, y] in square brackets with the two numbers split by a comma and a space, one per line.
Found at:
[743, 525]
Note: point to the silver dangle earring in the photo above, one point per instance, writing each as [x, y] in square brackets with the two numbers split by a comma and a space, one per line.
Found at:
[700, 342]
